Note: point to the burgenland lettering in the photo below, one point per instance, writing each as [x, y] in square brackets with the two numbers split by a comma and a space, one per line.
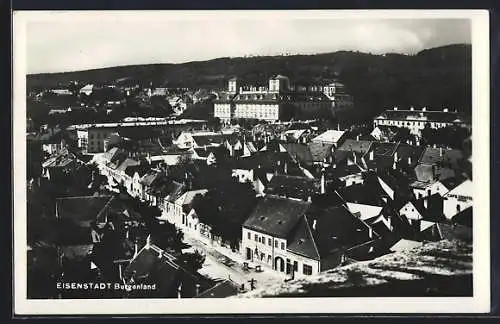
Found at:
[103, 286]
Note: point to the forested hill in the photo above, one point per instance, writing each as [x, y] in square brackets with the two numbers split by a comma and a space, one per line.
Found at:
[433, 78]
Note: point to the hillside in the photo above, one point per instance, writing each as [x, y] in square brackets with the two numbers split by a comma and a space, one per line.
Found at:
[434, 78]
[434, 269]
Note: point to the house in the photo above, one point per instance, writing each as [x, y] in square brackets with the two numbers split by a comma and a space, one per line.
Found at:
[295, 135]
[207, 154]
[458, 199]
[441, 187]
[159, 274]
[324, 240]
[178, 209]
[371, 215]
[79, 221]
[59, 165]
[427, 208]
[199, 139]
[265, 232]
[330, 137]
[385, 133]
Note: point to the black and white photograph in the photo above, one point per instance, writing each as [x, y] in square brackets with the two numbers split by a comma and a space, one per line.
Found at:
[265, 161]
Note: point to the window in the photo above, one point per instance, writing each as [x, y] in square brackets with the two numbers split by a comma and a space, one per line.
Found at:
[276, 244]
[307, 270]
[256, 237]
[282, 245]
[249, 236]
[295, 266]
[269, 242]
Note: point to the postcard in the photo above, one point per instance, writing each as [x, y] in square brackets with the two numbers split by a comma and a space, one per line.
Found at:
[251, 162]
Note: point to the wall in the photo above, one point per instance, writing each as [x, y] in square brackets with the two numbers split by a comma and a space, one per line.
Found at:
[270, 251]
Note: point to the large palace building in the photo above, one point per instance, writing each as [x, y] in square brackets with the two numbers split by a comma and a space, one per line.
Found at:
[273, 103]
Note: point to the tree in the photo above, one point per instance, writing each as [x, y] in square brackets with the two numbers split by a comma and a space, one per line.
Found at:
[192, 262]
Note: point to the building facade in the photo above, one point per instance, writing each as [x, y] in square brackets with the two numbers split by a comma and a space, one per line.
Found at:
[272, 103]
[416, 120]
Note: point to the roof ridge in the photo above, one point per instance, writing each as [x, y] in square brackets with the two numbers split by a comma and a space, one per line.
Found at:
[312, 237]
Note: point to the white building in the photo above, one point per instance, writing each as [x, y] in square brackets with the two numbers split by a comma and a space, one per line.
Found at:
[416, 120]
[272, 103]
[458, 199]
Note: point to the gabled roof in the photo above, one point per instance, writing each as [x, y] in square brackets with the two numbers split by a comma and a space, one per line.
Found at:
[433, 155]
[405, 245]
[299, 152]
[276, 216]
[127, 163]
[223, 289]
[188, 196]
[430, 173]
[330, 136]
[202, 140]
[149, 178]
[356, 146]
[320, 151]
[332, 229]
[363, 194]
[466, 186]
[82, 209]
[366, 212]
[177, 189]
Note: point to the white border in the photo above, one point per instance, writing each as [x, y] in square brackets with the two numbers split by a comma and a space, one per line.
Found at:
[480, 303]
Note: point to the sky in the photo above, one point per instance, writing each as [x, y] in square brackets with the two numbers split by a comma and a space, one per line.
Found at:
[59, 44]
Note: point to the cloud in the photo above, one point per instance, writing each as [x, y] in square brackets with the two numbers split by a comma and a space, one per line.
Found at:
[62, 45]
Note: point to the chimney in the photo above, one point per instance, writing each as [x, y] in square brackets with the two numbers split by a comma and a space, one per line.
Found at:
[179, 291]
[357, 137]
[411, 108]
[370, 232]
[323, 184]
[286, 168]
[426, 203]
[371, 155]
[424, 109]
[445, 109]
[197, 289]
[314, 225]
[395, 108]
[355, 158]
[409, 160]
[440, 151]
[394, 166]
[338, 126]
[148, 242]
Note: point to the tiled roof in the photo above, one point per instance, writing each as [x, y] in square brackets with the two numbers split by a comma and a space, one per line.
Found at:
[223, 289]
[356, 146]
[276, 216]
[320, 151]
[330, 136]
[433, 155]
[81, 209]
[332, 229]
[299, 152]
[189, 196]
[293, 186]
[202, 140]
[429, 173]
[363, 194]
